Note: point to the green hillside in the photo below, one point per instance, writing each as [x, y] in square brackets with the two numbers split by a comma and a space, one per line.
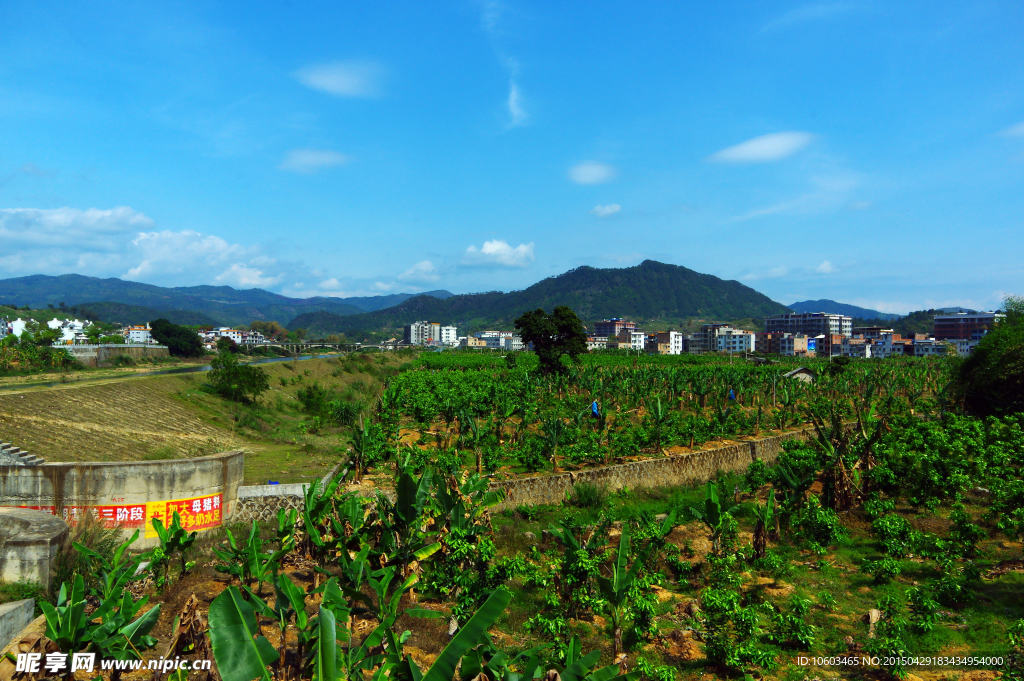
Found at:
[832, 307]
[119, 313]
[221, 305]
[649, 291]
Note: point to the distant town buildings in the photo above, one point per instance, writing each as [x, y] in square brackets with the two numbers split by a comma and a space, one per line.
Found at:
[968, 326]
[430, 333]
[810, 324]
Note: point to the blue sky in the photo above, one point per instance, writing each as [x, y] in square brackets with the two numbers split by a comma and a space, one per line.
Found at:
[868, 152]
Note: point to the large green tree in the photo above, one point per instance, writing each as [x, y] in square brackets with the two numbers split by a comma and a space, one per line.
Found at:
[992, 378]
[180, 341]
[553, 335]
[235, 381]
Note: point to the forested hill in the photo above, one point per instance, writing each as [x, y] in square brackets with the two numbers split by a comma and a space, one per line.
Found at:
[222, 305]
[832, 307]
[651, 290]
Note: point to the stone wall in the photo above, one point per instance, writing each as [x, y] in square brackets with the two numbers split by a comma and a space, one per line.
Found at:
[262, 502]
[683, 469]
[29, 541]
[103, 355]
[203, 490]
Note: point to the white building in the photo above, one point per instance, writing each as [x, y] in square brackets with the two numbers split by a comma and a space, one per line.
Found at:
[449, 336]
[512, 343]
[733, 340]
[597, 342]
[138, 334]
[430, 333]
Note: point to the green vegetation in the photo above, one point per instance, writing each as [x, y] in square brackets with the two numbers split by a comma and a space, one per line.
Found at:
[992, 378]
[553, 336]
[235, 381]
[180, 341]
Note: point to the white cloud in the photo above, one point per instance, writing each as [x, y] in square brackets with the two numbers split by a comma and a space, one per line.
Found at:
[515, 105]
[821, 10]
[592, 172]
[859, 205]
[777, 145]
[352, 78]
[122, 242]
[825, 268]
[604, 211]
[773, 273]
[1013, 130]
[329, 284]
[308, 161]
[424, 270]
[243, 276]
[496, 253]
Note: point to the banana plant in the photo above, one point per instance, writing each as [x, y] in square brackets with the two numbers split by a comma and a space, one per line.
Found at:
[318, 504]
[660, 417]
[713, 515]
[469, 421]
[113, 575]
[173, 540]
[112, 630]
[615, 589]
[402, 540]
[552, 434]
[765, 516]
[242, 653]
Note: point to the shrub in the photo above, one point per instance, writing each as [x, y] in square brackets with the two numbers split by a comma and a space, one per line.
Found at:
[588, 495]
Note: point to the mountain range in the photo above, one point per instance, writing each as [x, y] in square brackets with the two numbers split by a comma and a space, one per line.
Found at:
[648, 291]
[833, 307]
[129, 302]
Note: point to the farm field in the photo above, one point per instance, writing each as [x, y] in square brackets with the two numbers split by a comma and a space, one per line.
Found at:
[887, 543]
[164, 417]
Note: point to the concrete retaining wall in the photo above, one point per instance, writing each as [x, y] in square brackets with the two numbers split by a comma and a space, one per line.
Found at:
[203, 490]
[14, 617]
[103, 355]
[261, 502]
[29, 541]
[683, 469]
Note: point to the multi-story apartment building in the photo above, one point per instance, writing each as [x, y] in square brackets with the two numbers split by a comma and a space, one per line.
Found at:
[597, 342]
[631, 339]
[735, 340]
[965, 325]
[138, 334]
[674, 341]
[430, 333]
[472, 342]
[871, 332]
[706, 338]
[612, 327]
[932, 347]
[794, 345]
[810, 324]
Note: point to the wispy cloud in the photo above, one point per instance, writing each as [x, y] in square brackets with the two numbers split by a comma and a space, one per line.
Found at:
[592, 172]
[491, 13]
[352, 78]
[515, 105]
[604, 211]
[424, 270]
[825, 268]
[1013, 131]
[859, 205]
[308, 161]
[497, 253]
[773, 273]
[773, 147]
[806, 13]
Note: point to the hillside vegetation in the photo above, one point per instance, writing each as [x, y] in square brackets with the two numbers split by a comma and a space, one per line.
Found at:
[649, 291]
[222, 304]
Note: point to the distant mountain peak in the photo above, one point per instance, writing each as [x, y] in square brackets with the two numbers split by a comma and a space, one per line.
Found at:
[832, 307]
